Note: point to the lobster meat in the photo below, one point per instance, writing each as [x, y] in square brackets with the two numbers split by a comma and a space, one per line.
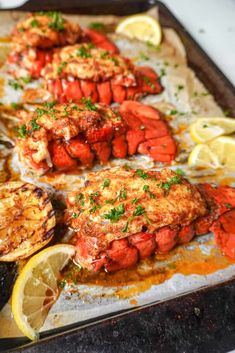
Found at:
[121, 216]
[64, 136]
[84, 70]
[35, 38]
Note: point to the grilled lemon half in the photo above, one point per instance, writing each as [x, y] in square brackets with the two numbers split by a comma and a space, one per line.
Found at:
[27, 220]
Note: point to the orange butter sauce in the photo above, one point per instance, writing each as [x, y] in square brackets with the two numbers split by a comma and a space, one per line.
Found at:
[184, 259]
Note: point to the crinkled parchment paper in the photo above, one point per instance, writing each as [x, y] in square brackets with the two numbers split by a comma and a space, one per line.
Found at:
[78, 303]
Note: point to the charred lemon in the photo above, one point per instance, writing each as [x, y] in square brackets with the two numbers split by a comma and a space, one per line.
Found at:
[27, 220]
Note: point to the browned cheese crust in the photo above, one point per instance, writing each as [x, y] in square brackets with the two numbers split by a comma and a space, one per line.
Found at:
[117, 203]
[45, 30]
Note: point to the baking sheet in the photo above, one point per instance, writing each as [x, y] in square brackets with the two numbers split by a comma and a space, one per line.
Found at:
[93, 301]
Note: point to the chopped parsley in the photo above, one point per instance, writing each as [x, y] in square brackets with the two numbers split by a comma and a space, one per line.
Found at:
[26, 79]
[22, 131]
[114, 60]
[135, 200]
[105, 183]
[121, 194]
[75, 215]
[139, 211]
[62, 283]
[40, 112]
[14, 105]
[180, 172]
[172, 181]
[147, 190]
[148, 81]
[99, 26]
[143, 56]
[94, 208]
[15, 85]
[88, 104]
[21, 29]
[162, 72]
[180, 87]
[173, 112]
[34, 23]
[140, 173]
[61, 67]
[104, 55]
[92, 196]
[115, 213]
[80, 199]
[83, 53]
[226, 113]
[228, 205]
[49, 105]
[57, 21]
[35, 125]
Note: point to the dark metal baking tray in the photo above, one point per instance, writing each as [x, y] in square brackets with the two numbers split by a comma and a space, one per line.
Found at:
[203, 321]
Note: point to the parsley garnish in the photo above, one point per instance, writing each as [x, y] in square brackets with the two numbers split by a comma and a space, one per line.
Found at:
[143, 56]
[92, 196]
[146, 189]
[135, 200]
[140, 173]
[61, 67]
[104, 55]
[62, 284]
[14, 105]
[97, 25]
[83, 53]
[15, 85]
[148, 81]
[228, 205]
[35, 125]
[80, 199]
[162, 72]
[22, 131]
[173, 112]
[167, 185]
[57, 21]
[105, 183]
[49, 105]
[34, 23]
[26, 79]
[139, 211]
[115, 61]
[89, 105]
[21, 29]
[121, 194]
[94, 208]
[226, 113]
[180, 172]
[75, 215]
[115, 213]
[180, 87]
[40, 112]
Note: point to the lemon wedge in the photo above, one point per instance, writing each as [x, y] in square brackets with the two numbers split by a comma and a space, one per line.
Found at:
[142, 27]
[218, 153]
[206, 129]
[36, 288]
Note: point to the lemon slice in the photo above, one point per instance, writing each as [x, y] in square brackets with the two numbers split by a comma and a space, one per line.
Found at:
[36, 288]
[218, 153]
[206, 129]
[142, 27]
